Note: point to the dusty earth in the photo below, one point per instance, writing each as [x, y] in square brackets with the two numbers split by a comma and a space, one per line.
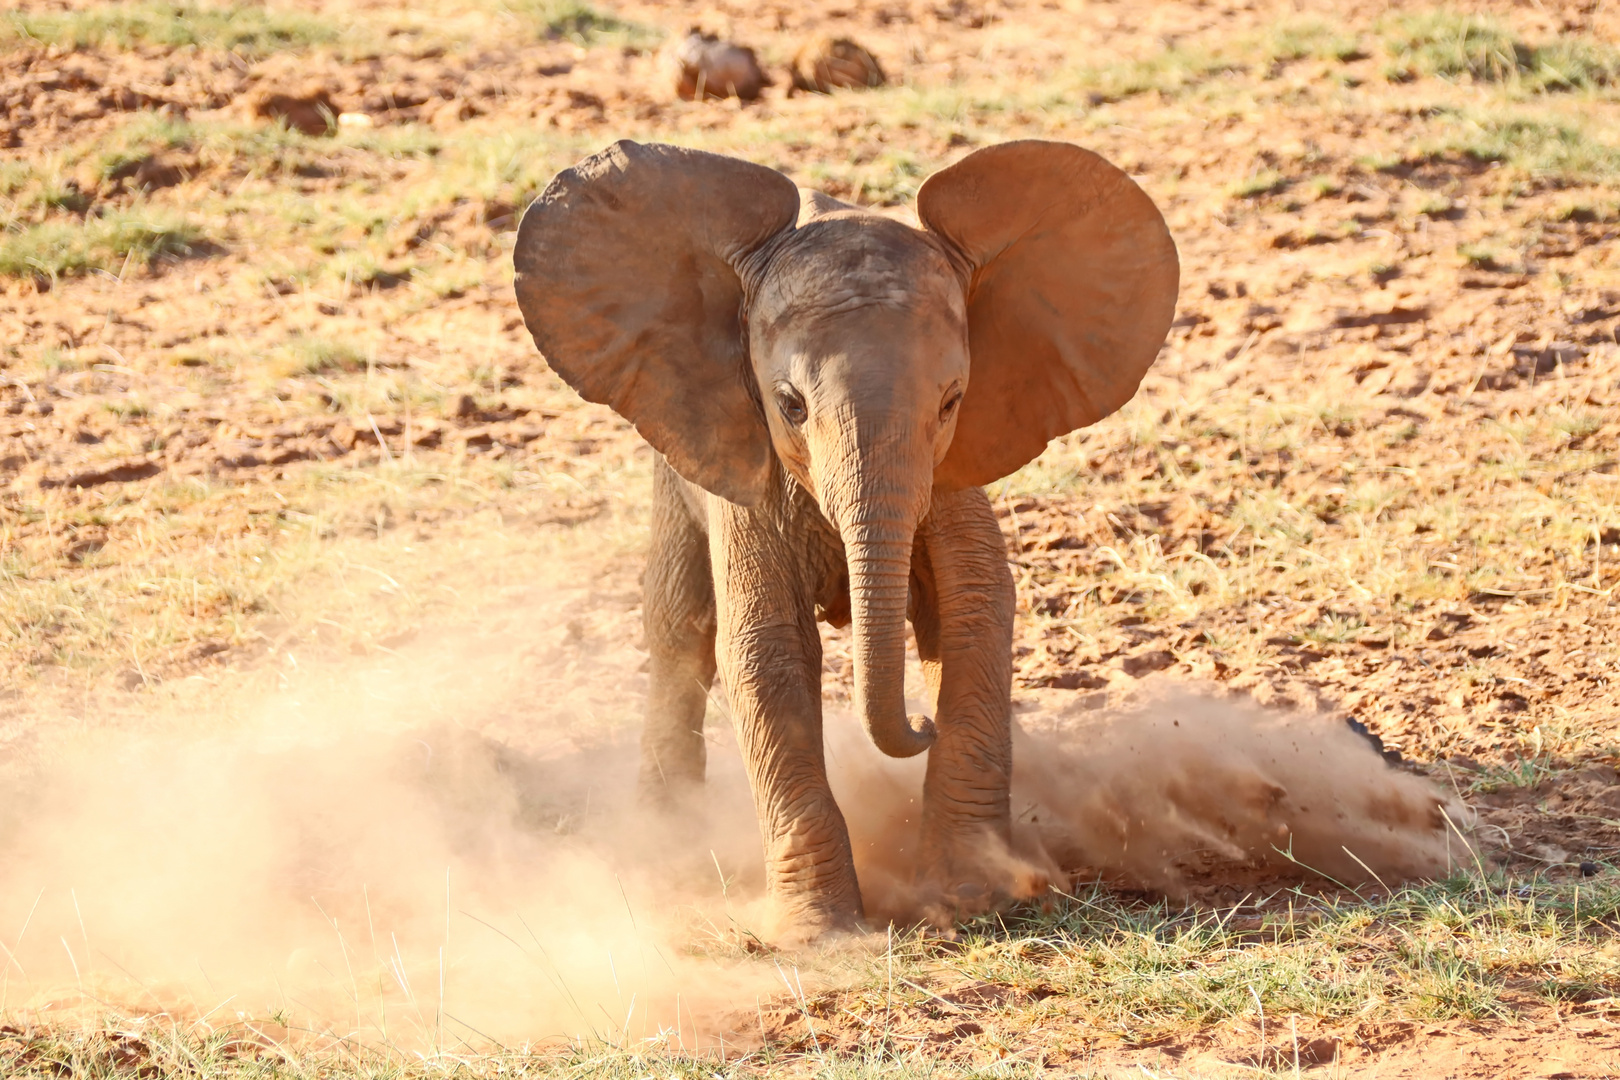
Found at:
[1374, 471]
[1545, 1045]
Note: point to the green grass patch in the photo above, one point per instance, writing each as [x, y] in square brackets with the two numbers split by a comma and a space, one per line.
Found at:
[889, 179]
[1170, 72]
[1183, 67]
[1453, 45]
[58, 193]
[15, 175]
[1469, 948]
[108, 242]
[1479, 257]
[1311, 39]
[308, 355]
[1447, 950]
[1449, 44]
[1558, 148]
[147, 133]
[1258, 183]
[1334, 629]
[1324, 187]
[31, 190]
[251, 29]
[582, 23]
[505, 165]
[1524, 773]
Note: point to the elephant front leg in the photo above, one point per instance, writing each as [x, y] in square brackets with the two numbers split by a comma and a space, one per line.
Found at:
[769, 654]
[964, 620]
[678, 607]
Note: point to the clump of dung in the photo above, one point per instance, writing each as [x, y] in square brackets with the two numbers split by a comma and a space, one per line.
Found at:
[825, 64]
[706, 67]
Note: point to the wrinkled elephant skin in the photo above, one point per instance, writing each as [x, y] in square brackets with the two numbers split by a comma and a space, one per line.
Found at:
[829, 389]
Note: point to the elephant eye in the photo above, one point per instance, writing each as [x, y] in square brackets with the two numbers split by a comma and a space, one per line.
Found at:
[952, 400]
[791, 404]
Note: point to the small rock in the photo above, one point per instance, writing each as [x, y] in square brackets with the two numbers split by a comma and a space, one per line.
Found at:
[309, 109]
[204, 649]
[825, 64]
[153, 172]
[121, 471]
[499, 215]
[1324, 1051]
[426, 432]
[481, 436]
[1143, 663]
[451, 113]
[709, 69]
[1076, 680]
[396, 640]
[1390, 755]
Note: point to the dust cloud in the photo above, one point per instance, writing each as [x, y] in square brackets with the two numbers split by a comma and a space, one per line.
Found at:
[443, 847]
[438, 846]
[1194, 796]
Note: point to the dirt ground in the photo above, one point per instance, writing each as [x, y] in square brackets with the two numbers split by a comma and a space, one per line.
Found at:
[1545, 1046]
[266, 395]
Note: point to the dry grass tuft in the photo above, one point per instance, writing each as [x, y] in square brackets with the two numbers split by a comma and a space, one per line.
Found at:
[250, 29]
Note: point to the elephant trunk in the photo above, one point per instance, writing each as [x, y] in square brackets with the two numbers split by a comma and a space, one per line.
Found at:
[879, 556]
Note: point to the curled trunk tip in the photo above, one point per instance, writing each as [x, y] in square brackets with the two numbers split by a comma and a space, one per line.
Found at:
[901, 741]
[876, 510]
[880, 574]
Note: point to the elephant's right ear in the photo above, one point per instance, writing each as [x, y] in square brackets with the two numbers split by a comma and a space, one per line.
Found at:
[627, 276]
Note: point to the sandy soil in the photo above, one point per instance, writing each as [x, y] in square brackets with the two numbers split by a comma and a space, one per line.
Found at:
[1373, 473]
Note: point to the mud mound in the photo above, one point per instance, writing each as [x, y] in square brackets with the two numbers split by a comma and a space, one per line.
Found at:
[824, 64]
[308, 108]
[707, 68]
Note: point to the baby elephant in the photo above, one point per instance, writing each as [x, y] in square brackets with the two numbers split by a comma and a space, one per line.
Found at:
[829, 390]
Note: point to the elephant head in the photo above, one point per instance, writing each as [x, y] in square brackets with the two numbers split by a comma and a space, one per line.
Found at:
[872, 361]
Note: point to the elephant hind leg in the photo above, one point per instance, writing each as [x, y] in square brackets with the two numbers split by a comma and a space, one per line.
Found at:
[679, 613]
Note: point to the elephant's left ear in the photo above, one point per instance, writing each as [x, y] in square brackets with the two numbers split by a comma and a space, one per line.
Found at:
[1073, 286]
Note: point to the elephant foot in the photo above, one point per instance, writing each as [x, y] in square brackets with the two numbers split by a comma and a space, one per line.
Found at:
[980, 875]
[943, 907]
[792, 924]
[677, 797]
